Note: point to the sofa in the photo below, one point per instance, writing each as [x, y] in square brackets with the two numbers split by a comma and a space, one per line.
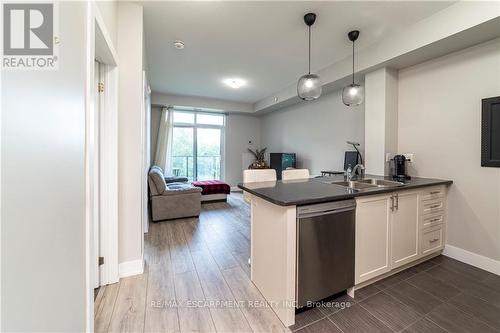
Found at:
[172, 200]
[170, 178]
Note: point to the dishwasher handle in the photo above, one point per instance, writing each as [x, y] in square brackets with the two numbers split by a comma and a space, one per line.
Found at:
[326, 208]
[326, 212]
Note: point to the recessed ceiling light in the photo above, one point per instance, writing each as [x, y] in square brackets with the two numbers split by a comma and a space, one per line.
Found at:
[235, 83]
[179, 44]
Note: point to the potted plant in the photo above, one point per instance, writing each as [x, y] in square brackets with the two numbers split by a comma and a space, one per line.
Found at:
[259, 162]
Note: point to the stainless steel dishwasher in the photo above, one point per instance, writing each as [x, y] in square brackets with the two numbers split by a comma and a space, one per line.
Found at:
[325, 250]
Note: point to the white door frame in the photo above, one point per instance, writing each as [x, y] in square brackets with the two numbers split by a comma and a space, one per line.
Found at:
[94, 130]
[146, 147]
[109, 178]
[100, 46]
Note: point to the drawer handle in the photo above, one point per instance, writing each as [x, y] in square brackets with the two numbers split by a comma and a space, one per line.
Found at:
[434, 206]
[435, 192]
[435, 220]
[434, 240]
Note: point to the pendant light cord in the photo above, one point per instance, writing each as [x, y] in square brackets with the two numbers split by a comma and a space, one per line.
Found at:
[353, 64]
[309, 49]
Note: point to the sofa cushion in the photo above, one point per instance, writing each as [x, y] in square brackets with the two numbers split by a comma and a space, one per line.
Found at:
[181, 188]
[174, 179]
[156, 181]
[170, 178]
[157, 168]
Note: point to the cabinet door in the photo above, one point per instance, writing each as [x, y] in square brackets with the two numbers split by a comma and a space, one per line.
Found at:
[404, 228]
[372, 237]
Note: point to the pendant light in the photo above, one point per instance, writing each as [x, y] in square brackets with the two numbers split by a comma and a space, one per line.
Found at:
[309, 85]
[353, 94]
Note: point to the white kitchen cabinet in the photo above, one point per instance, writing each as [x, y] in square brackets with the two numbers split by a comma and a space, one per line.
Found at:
[398, 228]
[432, 215]
[373, 236]
[405, 228]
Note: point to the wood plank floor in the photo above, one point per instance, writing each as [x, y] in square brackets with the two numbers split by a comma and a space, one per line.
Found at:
[197, 279]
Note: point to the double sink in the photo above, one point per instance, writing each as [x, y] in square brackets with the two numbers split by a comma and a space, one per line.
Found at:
[366, 184]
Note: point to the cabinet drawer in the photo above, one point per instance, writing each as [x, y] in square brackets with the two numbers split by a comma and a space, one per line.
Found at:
[432, 240]
[433, 193]
[431, 220]
[431, 206]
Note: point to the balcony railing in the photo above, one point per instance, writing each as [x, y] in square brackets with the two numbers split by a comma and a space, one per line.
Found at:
[207, 168]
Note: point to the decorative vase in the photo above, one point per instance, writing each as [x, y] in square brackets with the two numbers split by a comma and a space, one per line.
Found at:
[258, 165]
[259, 162]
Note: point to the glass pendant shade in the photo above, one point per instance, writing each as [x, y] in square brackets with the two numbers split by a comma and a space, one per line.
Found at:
[309, 87]
[353, 95]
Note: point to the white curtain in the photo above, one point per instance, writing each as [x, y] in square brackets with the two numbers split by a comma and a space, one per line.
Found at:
[163, 156]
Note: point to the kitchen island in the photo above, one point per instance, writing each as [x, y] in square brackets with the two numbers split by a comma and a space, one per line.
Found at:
[396, 226]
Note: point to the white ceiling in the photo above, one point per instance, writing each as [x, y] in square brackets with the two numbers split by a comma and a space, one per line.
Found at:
[264, 43]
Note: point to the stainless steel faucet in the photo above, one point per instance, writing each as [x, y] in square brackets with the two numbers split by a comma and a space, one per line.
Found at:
[348, 173]
[356, 167]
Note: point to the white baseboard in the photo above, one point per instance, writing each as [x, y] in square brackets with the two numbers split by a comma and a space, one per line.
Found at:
[474, 259]
[129, 268]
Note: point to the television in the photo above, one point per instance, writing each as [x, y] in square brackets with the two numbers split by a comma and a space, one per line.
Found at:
[350, 159]
[282, 161]
[490, 132]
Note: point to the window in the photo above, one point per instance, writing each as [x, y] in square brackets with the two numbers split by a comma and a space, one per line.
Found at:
[197, 147]
[183, 117]
[209, 119]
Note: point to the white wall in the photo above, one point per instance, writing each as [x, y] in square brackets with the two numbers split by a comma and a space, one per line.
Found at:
[315, 131]
[43, 188]
[240, 129]
[381, 119]
[201, 102]
[439, 121]
[109, 13]
[129, 48]
[441, 33]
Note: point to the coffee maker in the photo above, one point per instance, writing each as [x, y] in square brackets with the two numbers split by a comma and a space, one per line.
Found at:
[399, 167]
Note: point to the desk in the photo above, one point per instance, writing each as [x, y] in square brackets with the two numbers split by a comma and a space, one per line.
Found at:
[330, 173]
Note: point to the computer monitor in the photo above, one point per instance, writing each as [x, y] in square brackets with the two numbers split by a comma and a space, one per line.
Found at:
[351, 158]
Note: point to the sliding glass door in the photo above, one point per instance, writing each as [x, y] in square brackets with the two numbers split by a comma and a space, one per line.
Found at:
[208, 157]
[198, 142]
[183, 152]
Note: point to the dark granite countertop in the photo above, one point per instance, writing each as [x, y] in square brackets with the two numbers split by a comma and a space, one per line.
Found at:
[316, 190]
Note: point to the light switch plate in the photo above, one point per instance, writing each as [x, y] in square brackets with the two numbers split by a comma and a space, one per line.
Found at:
[410, 157]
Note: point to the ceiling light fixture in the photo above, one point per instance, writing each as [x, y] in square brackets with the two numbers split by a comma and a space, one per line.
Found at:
[179, 44]
[353, 94]
[235, 83]
[309, 85]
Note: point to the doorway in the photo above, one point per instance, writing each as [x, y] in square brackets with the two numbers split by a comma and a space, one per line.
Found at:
[102, 164]
[98, 180]
[101, 161]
